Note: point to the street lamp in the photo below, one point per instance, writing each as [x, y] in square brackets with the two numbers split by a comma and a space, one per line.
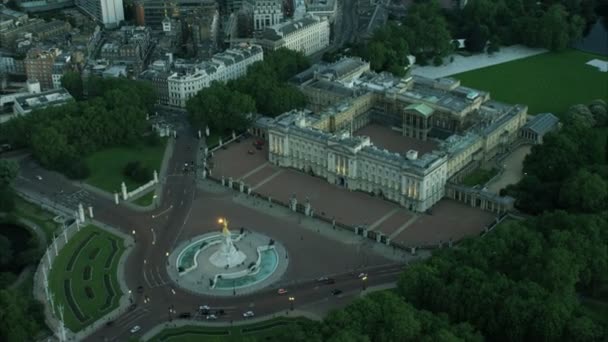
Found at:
[291, 300]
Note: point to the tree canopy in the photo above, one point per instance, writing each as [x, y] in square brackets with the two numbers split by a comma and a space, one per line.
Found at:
[60, 137]
[264, 90]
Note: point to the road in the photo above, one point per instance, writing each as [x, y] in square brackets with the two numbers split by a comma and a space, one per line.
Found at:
[157, 232]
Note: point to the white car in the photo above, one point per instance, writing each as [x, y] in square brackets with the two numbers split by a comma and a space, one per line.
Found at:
[39, 177]
[211, 317]
[135, 329]
[248, 314]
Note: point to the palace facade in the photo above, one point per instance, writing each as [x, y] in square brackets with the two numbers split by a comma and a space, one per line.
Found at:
[464, 125]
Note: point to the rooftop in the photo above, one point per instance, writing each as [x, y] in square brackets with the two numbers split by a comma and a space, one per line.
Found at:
[44, 99]
[542, 123]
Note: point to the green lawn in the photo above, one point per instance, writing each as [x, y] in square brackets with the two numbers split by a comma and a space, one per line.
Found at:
[107, 165]
[145, 200]
[34, 213]
[550, 82]
[258, 331]
[84, 276]
[479, 177]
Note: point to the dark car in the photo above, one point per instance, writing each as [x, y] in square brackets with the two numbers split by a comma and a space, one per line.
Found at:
[185, 315]
[140, 289]
[336, 292]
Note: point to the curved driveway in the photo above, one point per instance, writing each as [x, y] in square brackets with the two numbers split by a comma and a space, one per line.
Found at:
[157, 231]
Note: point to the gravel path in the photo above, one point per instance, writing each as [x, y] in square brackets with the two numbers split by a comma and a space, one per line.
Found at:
[462, 64]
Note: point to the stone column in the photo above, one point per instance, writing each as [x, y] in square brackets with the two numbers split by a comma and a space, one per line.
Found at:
[378, 237]
[80, 212]
[223, 181]
[249, 191]
[233, 135]
[204, 173]
[90, 212]
[230, 182]
[207, 131]
[307, 208]
[199, 134]
[221, 142]
[242, 187]
[123, 187]
[116, 197]
[413, 250]
[155, 177]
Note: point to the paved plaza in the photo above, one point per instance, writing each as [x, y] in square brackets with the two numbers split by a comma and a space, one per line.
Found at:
[386, 138]
[449, 219]
[513, 166]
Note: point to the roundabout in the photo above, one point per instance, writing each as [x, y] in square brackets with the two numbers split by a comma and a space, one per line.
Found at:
[227, 263]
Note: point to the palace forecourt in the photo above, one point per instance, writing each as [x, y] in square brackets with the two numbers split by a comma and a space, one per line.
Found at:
[406, 141]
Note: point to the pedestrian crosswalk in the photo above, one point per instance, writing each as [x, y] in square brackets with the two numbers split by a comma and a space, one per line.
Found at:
[154, 278]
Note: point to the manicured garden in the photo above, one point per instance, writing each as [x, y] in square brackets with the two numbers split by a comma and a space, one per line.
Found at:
[479, 177]
[107, 166]
[84, 276]
[259, 331]
[551, 82]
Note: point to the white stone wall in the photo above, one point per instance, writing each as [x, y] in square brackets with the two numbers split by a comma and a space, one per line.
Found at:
[309, 39]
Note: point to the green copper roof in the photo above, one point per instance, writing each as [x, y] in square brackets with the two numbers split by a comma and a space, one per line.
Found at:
[420, 108]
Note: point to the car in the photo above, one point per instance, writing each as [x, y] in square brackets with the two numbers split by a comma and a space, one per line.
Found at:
[211, 317]
[329, 281]
[336, 292]
[248, 314]
[204, 307]
[250, 152]
[185, 315]
[282, 291]
[322, 279]
[135, 329]
[38, 177]
[140, 289]
[109, 323]
[362, 275]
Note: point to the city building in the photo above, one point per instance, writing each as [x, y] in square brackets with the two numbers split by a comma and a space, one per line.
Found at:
[39, 66]
[152, 12]
[27, 103]
[129, 46]
[266, 13]
[539, 126]
[60, 66]
[108, 12]
[442, 131]
[203, 25]
[228, 65]
[322, 8]
[309, 34]
[35, 6]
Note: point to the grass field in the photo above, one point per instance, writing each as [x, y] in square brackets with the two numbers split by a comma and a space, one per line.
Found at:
[258, 331]
[550, 82]
[145, 200]
[479, 177]
[107, 165]
[34, 213]
[84, 276]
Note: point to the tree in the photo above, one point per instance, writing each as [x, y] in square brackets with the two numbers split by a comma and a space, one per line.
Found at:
[8, 172]
[586, 192]
[477, 38]
[18, 317]
[72, 82]
[599, 109]
[427, 33]
[6, 252]
[220, 108]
